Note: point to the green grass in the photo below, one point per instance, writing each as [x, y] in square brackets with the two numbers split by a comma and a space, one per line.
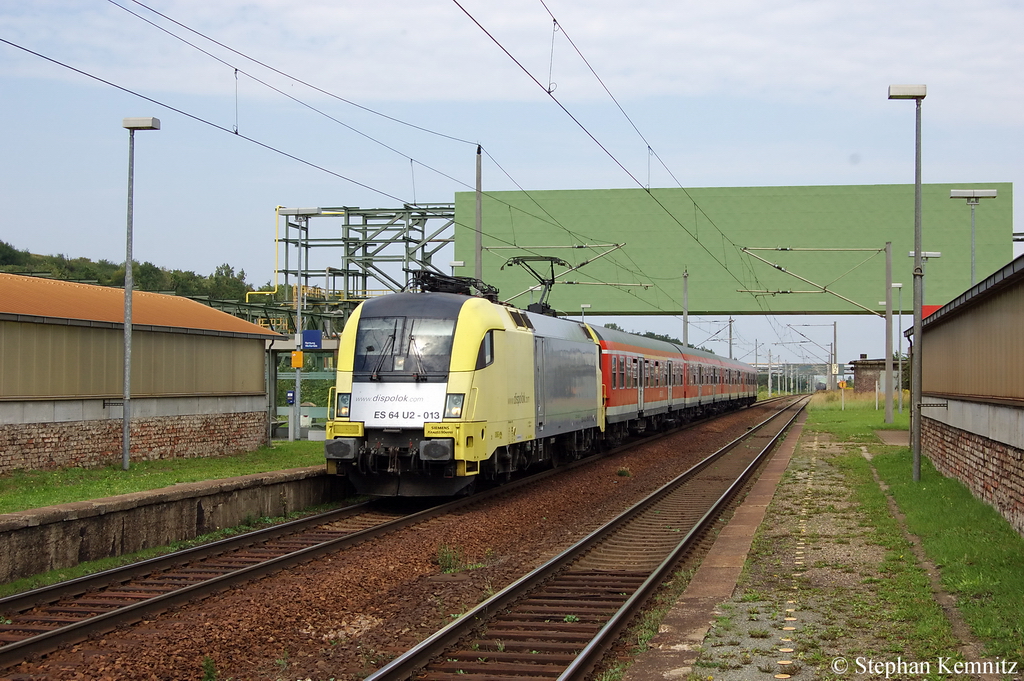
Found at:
[856, 422]
[910, 613]
[32, 489]
[980, 556]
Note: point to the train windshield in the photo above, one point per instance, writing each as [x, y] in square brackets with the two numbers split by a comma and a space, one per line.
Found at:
[403, 347]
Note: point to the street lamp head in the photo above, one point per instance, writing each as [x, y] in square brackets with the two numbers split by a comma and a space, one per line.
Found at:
[897, 285]
[973, 193]
[584, 306]
[908, 91]
[299, 211]
[141, 123]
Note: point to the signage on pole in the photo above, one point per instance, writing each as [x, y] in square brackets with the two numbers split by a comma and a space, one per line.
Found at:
[312, 340]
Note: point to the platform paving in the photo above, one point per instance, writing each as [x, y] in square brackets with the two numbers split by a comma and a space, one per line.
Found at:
[790, 588]
[674, 651]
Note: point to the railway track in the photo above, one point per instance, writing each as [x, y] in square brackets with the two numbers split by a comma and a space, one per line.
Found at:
[41, 621]
[558, 621]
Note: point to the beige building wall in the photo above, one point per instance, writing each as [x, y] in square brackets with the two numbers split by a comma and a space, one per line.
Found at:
[980, 352]
[55, 361]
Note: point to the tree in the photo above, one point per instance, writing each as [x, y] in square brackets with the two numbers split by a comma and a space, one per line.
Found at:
[9, 255]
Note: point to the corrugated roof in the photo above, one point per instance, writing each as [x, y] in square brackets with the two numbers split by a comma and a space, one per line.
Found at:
[51, 299]
[1009, 275]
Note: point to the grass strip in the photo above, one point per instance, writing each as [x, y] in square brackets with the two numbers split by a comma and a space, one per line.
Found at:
[910, 617]
[22, 490]
[979, 555]
[853, 421]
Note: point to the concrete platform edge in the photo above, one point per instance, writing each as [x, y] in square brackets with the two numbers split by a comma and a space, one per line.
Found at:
[676, 647]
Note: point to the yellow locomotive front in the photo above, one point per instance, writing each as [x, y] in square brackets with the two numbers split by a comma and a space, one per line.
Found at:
[429, 387]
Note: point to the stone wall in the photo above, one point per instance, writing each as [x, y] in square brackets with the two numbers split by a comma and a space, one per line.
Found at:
[95, 443]
[992, 470]
[54, 537]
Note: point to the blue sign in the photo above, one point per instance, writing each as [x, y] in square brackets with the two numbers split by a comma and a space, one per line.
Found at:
[290, 397]
[312, 340]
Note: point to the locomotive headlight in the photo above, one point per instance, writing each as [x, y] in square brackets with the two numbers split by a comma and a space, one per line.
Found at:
[453, 405]
[344, 402]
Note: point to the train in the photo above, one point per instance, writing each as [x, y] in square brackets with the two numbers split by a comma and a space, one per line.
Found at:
[439, 392]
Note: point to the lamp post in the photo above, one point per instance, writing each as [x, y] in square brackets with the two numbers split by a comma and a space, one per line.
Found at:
[132, 124]
[972, 196]
[899, 340]
[583, 311]
[888, 332]
[917, 93]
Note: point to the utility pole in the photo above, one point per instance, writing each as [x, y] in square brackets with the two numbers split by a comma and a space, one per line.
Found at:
[479, 216]
[686, 309]
[730, 337]
[889, 394]
[835, 356]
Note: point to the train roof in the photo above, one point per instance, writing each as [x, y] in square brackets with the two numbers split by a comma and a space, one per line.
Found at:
[423, 305]
[615, 336]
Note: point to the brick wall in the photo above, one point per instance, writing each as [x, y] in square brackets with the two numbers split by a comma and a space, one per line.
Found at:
[993, 471]
[96, 443]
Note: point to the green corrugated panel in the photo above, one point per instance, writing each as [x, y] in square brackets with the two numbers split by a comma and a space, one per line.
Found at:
[665, 232]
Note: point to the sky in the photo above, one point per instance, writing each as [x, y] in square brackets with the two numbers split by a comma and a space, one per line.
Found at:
[562, 94]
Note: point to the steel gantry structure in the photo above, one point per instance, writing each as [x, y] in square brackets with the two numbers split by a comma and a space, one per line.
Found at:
[379, 248]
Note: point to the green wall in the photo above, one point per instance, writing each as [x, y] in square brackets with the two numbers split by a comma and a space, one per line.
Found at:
[703, 231]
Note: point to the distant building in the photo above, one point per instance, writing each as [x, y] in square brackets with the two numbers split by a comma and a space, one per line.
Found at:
[198, 376]
[866, 372]
[972, 424]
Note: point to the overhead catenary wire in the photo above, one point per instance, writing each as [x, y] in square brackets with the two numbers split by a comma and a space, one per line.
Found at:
[587, 132]
[636, 270]
[200, 119]
[227, 130]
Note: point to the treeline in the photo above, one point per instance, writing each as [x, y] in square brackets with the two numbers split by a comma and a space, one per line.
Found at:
[223, 284]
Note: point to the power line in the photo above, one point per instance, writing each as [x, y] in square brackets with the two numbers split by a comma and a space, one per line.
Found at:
[550, 93]
[204, 121]
[553, 221]
[297, 80]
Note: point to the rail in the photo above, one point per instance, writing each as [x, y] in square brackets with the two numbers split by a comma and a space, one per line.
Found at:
[539, 651]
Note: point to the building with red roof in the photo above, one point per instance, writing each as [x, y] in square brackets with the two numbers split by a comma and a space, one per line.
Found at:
[198, 376]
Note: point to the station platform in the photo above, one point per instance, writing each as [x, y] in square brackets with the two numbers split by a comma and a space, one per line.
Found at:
[789, 589]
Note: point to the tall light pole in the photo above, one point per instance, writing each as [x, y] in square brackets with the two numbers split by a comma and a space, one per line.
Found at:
[972, 196]
[917, 93]
[132, 124]
[888, 332]
[583, 311]
[899, 340]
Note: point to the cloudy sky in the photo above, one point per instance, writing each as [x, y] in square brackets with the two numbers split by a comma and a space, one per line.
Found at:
[732, 93]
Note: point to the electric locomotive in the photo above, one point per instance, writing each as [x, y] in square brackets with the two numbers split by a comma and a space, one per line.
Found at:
[437, 390]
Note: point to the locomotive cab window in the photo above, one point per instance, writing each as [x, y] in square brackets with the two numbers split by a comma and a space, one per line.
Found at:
[403, 346]
[485, 357]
